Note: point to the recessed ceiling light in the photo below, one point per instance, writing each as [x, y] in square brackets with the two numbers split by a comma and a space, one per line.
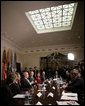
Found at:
[53, 19]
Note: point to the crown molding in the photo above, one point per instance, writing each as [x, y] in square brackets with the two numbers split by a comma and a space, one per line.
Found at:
[53, 48]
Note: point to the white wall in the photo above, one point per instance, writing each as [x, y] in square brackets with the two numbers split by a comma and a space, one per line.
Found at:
[9, 46]
[33, 59]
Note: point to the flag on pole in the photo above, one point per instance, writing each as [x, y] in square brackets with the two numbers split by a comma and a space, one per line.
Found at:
[15, 59]
[12, 61]
[8, 60]
[4, 71]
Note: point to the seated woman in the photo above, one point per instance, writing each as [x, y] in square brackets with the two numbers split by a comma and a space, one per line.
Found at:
[9, 89]
[18, 79]
[38, 79]
[12, 79]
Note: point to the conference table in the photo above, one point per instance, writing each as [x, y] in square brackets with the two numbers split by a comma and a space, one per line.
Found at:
[41, 94]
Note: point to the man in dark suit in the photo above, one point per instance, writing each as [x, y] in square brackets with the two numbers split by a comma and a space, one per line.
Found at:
[43, 77]
[14, 88]
[76, 86]
[25, 83]
[6, 95]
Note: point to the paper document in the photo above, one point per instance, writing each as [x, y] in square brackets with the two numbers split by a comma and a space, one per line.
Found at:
[19, 96]
[69, 94]
[67, 103]
[69, 98]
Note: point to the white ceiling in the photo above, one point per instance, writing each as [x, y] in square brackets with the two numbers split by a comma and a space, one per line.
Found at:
[16, 27]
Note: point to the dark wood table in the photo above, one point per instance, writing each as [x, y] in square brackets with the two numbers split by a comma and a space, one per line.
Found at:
[44, 98]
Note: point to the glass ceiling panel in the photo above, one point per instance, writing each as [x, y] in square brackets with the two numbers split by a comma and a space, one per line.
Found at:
[53, 19]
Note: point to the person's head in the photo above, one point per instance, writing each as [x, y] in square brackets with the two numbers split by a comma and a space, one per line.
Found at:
[67, 73]
[67, 66]
[25, 68]
[56, 73]
[32, 73]
[26, 75]
[74, 74]
[18, 76]
[12, 77]
[82, 67]
[30, 69]
[38, 74]
[35, 67]
[43, 73]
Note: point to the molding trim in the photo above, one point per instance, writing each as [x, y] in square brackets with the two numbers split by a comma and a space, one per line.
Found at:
[53, 48]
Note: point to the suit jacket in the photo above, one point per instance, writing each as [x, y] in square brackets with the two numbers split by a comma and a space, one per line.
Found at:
[25, 83]
[32, 79]
[43, 78]
[15, 88]
[35, 73]
[6, 95]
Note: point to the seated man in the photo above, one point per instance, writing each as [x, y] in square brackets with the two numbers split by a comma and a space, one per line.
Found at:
[76, 86]
[68, 78]
[43, 77]
[32, 76]
[32, 79]
[25, 83]
[56, 74]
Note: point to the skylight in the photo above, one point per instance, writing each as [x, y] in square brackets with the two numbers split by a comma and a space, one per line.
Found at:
[53, 19]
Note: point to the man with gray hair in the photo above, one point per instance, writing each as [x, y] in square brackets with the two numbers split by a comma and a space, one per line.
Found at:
[25, 83]
[76, 86]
